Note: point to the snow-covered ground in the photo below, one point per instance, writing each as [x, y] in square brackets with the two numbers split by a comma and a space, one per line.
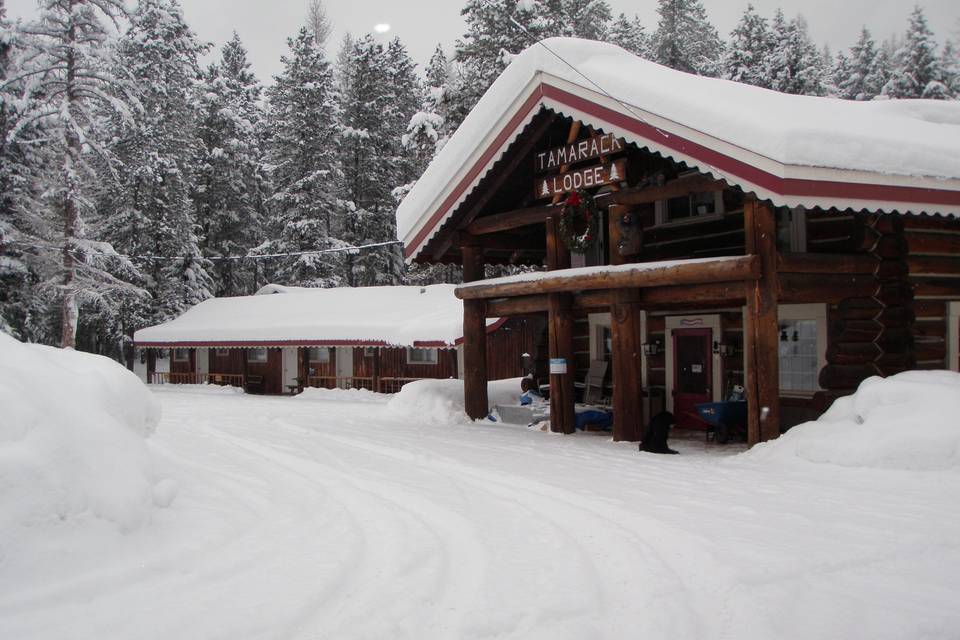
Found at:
[344, 515]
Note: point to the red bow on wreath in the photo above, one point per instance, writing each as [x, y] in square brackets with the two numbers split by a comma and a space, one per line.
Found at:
[573, 199]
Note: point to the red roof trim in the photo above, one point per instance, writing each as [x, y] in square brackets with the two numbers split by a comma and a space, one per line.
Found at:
[704, 155]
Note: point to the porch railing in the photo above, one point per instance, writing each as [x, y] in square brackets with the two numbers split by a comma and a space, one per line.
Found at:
[340, 382]
[393, 385]
[222, 379]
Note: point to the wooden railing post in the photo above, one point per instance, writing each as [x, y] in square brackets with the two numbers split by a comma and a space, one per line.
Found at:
[761, 326]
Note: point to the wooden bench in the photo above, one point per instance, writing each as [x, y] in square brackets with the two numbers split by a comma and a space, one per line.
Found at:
[253, 381]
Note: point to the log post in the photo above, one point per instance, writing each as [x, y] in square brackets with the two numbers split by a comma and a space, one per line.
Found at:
[559, 313]
[474, 340]
[627, 346]
[560, 336]
[762, 327]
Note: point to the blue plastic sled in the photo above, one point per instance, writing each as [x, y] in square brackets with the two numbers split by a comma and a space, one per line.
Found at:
[726, 418]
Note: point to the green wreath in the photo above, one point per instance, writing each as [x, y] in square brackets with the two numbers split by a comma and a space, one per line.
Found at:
[579, 205]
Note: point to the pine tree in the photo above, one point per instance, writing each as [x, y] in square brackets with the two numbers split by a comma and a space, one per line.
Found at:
[318, 23]
[231, 186]
[857, 82]
[917, 70]
[379, 97]
[749, 49]
[586, 19]
[67, 62]
[685, 39]
[795, 66]
[149, 209]
[882, 69]
[950, 67]
[629, 33]
[491, 41]
[305, 212]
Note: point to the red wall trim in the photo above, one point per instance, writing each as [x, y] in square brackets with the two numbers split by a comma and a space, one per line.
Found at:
[704, 155]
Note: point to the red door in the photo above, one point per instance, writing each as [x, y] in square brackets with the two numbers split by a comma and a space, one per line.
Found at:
[692, 375]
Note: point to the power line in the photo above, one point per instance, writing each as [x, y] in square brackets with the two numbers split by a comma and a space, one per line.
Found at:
[265, 256]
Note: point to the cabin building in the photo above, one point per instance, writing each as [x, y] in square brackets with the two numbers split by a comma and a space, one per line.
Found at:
[286, 338]
[720, 235]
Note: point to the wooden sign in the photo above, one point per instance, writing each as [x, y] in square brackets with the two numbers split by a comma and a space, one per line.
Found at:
[549, 186]
[579, 151]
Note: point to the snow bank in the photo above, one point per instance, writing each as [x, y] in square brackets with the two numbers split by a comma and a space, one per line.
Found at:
[907, 421]
[73, 432]
[339, 395]
[442, 400]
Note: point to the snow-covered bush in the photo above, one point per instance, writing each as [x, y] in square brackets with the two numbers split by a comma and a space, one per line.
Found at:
[907, 421]
[73, 440]
[442, 400]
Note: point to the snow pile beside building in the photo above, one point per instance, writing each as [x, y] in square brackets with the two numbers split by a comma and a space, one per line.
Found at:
[338, 395]
[442, 400]
[73, 430]
[908, 421]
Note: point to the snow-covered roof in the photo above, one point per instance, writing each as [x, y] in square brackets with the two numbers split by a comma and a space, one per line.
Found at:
[429, 316]
[893, 155]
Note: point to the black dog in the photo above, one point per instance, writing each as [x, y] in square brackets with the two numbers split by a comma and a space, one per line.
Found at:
[656, 433]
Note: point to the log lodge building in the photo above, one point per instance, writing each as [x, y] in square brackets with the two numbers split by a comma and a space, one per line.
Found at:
[721, 235]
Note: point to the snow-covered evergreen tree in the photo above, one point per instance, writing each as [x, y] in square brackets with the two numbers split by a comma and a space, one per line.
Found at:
[795, 65]
[65, 85]
[586, 19]
[318, 22]
[305, 213]
[685, 39]
[379, 98]
[149, 209]
[917, 69]
[481, 55]
[630, 34]
[231, 188]
[882, 69]
[857, 82]
[749, 49]
[950, 68]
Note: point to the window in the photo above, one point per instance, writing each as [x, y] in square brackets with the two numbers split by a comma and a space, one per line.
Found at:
[792, 229]
[319, 354]
[695, 206]
[421, 356]
[257, 355]
[222, 353]
[799, 360]
[181, 355]
[601, 337]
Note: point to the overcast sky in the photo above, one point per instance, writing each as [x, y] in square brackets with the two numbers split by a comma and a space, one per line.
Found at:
[264, 25]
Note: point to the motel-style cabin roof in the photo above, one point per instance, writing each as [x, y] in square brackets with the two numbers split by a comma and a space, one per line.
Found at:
[889, 156]
[277, 316]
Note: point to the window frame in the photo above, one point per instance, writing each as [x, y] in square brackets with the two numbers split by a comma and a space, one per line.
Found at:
[816, 312]
[221, 352]
[258, 350]
[176, 356]
[432, 351]
[312, 350]
[661, 211]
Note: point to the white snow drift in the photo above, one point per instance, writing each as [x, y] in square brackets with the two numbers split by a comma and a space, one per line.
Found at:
[907, 421]
[73, 429]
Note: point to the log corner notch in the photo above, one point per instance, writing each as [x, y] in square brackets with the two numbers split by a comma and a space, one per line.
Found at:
[762, 325]
[475, 397]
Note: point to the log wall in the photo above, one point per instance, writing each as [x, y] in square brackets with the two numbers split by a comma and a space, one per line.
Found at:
[230, 364]
[934, 276]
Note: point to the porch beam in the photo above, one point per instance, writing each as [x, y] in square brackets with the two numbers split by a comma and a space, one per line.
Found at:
[762, 328]
[745, 268]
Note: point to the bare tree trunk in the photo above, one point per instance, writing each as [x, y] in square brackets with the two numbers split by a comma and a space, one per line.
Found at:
[71, 214]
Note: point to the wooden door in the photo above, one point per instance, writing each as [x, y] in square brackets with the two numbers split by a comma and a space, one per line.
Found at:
[692, 374]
